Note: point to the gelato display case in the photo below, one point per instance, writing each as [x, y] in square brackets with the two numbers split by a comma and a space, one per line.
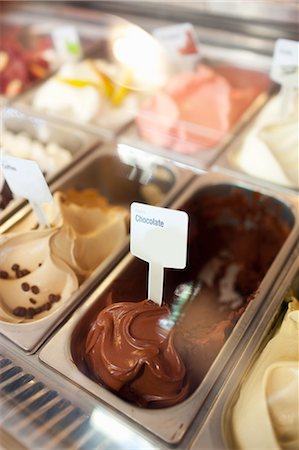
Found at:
[88, 359]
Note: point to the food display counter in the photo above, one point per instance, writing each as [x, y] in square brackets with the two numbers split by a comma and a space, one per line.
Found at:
[86, 362]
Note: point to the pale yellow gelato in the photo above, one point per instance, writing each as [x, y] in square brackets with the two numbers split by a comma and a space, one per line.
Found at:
[41, 268]
[266, 414]
[270, 150]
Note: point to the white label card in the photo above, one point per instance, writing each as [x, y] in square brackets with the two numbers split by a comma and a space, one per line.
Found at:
[284, 69]
[180, 38]
[158, 236]
[25, 179]
[181, 43]
[67, 42]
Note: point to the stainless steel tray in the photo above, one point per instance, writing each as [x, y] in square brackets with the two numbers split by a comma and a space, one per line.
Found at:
[76, 141]
[120, 174]
[216, 431]
[169, 424]
[204, 158]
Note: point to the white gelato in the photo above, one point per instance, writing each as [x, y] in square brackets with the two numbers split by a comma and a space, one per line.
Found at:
[270, 150]
[266, 414]
[84, 92]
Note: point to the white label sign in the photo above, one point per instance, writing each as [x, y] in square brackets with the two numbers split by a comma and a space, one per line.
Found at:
[181, 43]
[67, 42]
[25, 179]
[158, 236]
[285, 62]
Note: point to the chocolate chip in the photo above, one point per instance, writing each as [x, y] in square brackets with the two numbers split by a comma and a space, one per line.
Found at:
[35, 289]
[15, 267]
[39, 264]
[30, 312]
[20, 311]
[53, 298]
[3, 274]
[22, 273]
[33, 301]
[46, 306]
[25, 287]
[38, 310]
[25, 272]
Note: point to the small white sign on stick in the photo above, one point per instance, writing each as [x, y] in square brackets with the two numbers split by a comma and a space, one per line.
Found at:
[158, 236]
[181, 43]
[25, 179]
[285, 71]
[67, 42]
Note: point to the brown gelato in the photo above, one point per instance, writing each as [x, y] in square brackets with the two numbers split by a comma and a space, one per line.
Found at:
[127, 350]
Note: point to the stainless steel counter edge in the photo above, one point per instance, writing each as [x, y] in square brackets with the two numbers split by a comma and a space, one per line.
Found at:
[131, 437]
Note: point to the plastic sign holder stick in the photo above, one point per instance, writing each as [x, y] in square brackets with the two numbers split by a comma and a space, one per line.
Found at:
[158, 236]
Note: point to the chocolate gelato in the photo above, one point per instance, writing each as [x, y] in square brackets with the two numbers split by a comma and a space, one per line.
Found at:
[127, 350]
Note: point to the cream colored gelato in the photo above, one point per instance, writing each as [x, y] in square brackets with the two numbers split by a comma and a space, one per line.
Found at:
[33, 280]
[41, 268]
[85, 93]
[266, 414]
[270, 150]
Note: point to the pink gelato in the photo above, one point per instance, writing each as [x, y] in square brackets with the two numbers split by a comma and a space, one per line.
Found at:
[197, 109]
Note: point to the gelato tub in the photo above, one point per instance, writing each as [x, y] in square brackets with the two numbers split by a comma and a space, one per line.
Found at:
[229, 284]
[197, 113]
[267, 150]
[31, 137]
[88, 234]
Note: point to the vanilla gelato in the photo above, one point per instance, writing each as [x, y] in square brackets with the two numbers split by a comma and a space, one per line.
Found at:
[266, 414]
[85, 92]
[270, 150]
[41, 268]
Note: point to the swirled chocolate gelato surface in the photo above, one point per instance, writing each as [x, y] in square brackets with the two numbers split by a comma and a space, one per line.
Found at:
[128, 351]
